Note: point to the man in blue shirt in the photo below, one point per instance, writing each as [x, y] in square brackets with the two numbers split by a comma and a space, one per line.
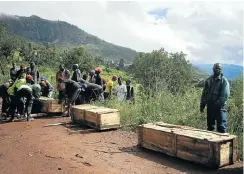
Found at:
[215, 95]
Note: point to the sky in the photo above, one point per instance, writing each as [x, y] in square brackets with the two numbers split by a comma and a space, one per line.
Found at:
[208, 32]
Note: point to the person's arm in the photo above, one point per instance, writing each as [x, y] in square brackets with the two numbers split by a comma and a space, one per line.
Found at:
[224, 93]
[37, 76]
[204, 96]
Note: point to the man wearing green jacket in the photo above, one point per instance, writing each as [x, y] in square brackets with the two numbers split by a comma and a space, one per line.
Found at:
[215, 95]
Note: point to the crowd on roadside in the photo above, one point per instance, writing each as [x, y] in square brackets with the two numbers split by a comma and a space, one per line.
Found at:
[21, 93]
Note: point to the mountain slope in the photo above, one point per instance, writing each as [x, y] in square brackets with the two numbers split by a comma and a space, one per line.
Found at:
[230, 71]
[60, 33]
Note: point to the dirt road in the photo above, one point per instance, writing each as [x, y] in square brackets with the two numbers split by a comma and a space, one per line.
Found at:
[29, 147]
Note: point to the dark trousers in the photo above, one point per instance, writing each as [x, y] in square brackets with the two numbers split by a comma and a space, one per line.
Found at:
[61, 96]
[107, 96]
[220, 115]
[73, 97]
[17, 101]
[5, 104]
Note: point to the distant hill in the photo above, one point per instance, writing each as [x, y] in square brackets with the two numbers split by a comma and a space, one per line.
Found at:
[230, 71]
[61, 33]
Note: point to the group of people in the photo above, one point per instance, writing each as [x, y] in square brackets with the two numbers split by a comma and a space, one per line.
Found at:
[21, 93]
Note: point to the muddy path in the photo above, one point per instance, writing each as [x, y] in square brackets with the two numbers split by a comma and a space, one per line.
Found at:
[30, 147]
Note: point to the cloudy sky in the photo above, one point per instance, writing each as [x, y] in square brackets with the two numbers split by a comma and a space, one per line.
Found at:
[207, 32]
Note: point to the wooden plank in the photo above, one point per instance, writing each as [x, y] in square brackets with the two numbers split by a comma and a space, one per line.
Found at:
[109, 118]
[209, 148]
[191, 157]
[235, 150]
[157, 148]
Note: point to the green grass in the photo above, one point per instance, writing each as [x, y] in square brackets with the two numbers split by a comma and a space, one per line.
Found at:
[174, 109]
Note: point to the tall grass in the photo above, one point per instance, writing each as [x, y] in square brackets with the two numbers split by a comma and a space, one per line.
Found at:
[181, 109]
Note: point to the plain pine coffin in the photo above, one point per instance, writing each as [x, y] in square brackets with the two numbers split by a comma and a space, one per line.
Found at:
[205, 147]
[50, 105]
[100, 118]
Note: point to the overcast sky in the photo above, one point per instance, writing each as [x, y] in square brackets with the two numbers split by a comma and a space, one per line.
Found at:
[208, 32]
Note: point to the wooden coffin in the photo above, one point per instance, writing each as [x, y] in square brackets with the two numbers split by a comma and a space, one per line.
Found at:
[50, 105]
[100, 118]
[212, 149]
[78, 112]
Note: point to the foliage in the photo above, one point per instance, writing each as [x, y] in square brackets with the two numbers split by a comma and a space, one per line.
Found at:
[60, 33]
[166, 71]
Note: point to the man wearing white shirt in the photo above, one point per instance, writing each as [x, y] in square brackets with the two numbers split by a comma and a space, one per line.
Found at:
[121, 90]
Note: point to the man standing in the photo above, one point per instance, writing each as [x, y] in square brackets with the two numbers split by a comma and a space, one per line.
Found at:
[34, 72]
[64, 74]
[215, 95]
[92, 77]
[109, 86]
[121, 90]
[5, 97]
[13, 72]
[98, 79]
[76, 74]
[130, 91]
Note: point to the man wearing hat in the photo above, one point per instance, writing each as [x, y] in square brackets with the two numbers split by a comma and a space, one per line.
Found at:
[215, 95]
[46, 88]
[21, 71]
[98, 79]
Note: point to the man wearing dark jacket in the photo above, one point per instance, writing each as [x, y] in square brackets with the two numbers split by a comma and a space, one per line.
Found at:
[76, 74]
[98, 79]
[215, 95]
[13, 72]
[34, 72]
[5, 97]
[72, 91]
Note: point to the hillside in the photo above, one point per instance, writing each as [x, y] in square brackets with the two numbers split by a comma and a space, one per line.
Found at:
[230, 71]
[63, 34]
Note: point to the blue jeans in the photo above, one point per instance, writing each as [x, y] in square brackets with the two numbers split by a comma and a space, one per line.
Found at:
[220, 115]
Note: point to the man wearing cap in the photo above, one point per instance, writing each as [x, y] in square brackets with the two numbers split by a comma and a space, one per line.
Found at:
[46, 88]
[64, 74]
[76, 74]
[13, 72]
[215, 95]
[98, 79]
[34, 72]
[109, 86]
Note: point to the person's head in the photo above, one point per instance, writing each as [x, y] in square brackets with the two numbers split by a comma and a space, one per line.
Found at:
[28, 70]
[120, 80]
[92, 72]
[14, 65]
[29, 79]
[114, 78]
[98, 70]
[43, 84]
[217, 69]
[61, 67]
[128, 82]
[75, 66]
[43, 78]
[104, 80]
[32, 65]
[22, 66]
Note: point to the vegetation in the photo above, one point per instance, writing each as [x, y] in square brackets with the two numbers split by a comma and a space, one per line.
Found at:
[63, 34]
[164, 82]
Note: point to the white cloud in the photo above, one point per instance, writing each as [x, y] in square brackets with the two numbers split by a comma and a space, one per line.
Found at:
[207, 31]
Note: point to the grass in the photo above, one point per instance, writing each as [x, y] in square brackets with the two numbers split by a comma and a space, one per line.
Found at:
[174, 109]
